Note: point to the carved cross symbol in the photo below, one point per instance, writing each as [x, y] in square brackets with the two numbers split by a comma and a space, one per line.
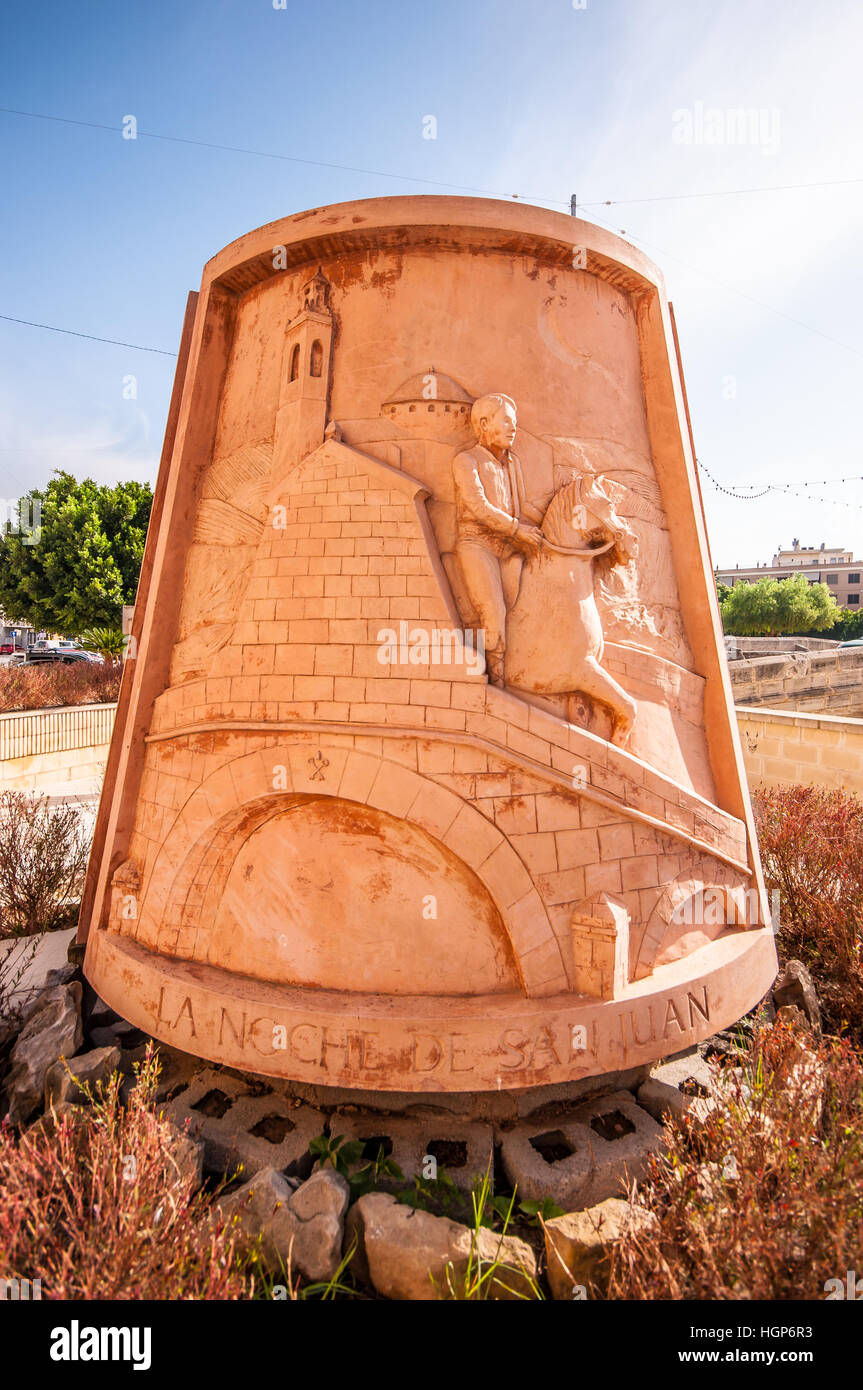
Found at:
[318, 763]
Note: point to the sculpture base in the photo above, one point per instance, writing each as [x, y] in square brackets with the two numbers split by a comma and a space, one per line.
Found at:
[429, 1044]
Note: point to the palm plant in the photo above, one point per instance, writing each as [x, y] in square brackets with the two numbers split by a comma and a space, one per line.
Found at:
[109, 642]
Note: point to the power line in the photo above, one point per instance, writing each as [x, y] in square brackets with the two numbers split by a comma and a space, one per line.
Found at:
[667, 255]
[73, 333]
[295, 159]
[288, 158]
[435, 183]
[721, 193]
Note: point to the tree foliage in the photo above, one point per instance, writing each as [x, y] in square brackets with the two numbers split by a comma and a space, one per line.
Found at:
[849, 624]
[773, 607]
[82, 562]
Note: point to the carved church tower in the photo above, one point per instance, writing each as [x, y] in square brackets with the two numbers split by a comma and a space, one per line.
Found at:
[305, 380]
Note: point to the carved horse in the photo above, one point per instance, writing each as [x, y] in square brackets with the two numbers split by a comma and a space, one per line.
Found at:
[554, 641]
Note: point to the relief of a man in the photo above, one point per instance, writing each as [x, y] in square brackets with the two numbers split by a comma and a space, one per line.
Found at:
[496, 523]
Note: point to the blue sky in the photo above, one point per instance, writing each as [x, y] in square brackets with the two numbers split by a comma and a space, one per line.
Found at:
[536, 97]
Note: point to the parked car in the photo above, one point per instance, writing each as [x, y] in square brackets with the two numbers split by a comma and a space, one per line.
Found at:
[65, 656]
[7, 648]
[854, 642]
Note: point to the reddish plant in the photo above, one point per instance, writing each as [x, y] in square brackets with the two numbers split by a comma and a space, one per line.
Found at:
[43, 686]
[811, 844]
[101, 1208]
[764, 1198]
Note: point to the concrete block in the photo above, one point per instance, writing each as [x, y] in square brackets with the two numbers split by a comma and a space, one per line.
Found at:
[596, 1152]
[246, 1126]
[463, 1149]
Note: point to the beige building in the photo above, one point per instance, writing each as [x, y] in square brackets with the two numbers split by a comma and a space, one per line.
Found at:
[819, 564]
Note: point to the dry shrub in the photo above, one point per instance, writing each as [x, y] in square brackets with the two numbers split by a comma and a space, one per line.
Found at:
[14, 964]
[43, 860]
[44, 685]
[812, 849]
[787, 1216]
[101, 1209]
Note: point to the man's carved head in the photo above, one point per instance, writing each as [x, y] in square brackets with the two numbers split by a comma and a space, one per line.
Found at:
[493, 420]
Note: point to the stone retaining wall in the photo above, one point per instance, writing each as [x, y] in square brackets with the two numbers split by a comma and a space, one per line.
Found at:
[58, 751]
[813, 682]
[782, 746]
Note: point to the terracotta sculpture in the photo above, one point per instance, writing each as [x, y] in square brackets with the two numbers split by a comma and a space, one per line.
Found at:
[334, 844]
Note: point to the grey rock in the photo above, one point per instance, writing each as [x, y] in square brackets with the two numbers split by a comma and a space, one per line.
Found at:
[63, 1110]
[76, 952]
[64, 975]
[53, 1029]
[719, 1046]
[61, 1081]
[714, 1179]
[789, 1013]
[299, 1230]
[659, 1099]
[411, 1255]
[691, 1073]
[794, 986]
[121, 1034]
[186, 1157]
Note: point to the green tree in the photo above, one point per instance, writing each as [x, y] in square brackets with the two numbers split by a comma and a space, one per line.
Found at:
[722, 590]
[774, 607]
[848, 624]
[82, 562]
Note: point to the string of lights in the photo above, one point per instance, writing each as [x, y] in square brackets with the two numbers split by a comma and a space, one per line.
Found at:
[785, 488]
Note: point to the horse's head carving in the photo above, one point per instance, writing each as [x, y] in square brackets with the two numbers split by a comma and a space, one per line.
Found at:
[581, 515]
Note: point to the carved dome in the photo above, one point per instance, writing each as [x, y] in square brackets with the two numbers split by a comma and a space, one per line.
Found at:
[430, 404]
